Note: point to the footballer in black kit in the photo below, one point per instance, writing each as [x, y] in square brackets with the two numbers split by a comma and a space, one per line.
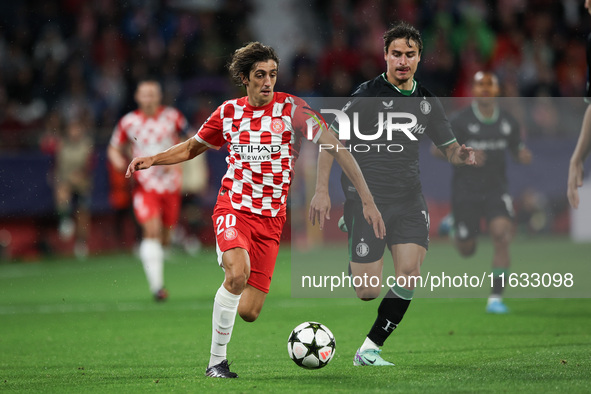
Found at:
[388, 115]
[481, 191]
[391, 165]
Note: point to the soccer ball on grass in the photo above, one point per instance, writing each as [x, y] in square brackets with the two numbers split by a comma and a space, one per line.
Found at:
[311, 345]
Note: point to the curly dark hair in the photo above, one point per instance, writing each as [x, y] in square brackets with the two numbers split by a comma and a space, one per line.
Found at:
[244, 59]
[403, 30]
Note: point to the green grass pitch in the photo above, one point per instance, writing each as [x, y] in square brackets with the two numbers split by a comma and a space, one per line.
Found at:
[71, 326]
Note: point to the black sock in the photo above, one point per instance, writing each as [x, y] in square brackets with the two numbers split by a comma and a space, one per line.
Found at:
[390, 313]
[497, 287]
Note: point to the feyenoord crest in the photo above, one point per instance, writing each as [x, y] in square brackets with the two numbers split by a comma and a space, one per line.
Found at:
[425, 107]
[362, 249]
[505, 127]
[277, 126]
[230, 234]
[473, 128]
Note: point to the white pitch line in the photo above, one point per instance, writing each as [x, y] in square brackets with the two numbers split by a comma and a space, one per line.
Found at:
[46, 309]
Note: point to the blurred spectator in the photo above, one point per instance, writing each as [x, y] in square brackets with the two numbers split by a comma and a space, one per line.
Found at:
[473, 29]
[50, 137]
[338, 55]
[439, 61]
[87, 57]
[304, 76]
[110, 87]
[50, 45]
[110, 48]
[73, 184]
[76, 102]
[571, 70]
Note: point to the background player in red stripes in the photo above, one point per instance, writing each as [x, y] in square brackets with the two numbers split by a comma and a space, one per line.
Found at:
[263, 131]
[156, 196]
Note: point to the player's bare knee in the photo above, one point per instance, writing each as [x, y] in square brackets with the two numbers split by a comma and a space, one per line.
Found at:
[249, 315]
[501, 238]
[467, 251]
[236, 282]
[409, 278]
[367, 293]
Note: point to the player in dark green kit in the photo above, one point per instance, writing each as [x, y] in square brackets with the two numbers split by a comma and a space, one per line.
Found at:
[385, 145]
[481, 191]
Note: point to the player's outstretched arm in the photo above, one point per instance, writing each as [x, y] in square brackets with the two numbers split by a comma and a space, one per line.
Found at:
[117, 158]
[459, 155]
[320, 204]
[352, 170]
[173, 155]
[575, 169]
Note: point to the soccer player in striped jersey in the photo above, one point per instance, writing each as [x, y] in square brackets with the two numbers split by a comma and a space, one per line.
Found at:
[263, 132]
[157, 192]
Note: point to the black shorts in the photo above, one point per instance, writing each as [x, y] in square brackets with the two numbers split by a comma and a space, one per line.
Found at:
[469, 210]
[406, 222]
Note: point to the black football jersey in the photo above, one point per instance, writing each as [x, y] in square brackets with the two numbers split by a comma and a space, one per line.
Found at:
[384, 133]
[493, 136]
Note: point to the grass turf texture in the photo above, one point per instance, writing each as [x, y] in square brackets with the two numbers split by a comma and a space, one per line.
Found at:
[69, 326]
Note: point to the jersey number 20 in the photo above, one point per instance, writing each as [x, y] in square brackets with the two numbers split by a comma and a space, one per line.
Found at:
[230, 220]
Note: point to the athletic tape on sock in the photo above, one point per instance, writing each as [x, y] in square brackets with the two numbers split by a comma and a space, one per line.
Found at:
[225, 307]
[403, 293]
[500, 271]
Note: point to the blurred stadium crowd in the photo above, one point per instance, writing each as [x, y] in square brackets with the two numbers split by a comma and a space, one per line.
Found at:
[75, 59]
[66, 61]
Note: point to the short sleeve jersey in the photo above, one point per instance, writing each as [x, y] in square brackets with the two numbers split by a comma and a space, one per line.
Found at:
[390, 161]
[494, 136]
[263, 144]
[151, 135]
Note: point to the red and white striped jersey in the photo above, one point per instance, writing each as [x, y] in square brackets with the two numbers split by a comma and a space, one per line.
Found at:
[263, 145]
[151, 135]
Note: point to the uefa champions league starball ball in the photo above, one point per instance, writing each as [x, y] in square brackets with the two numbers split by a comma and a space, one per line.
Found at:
[311, 345]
